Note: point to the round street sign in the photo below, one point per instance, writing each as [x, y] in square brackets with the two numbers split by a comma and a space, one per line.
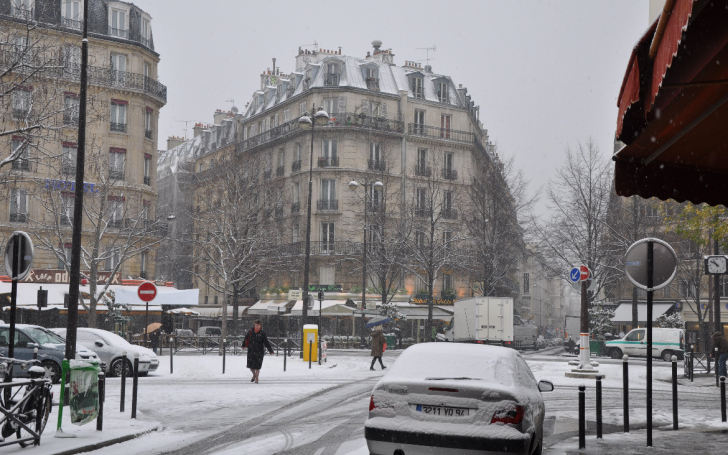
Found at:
[585, 272]
[591, 285]
[147, 291]
[20, 240]
[664, 264]
[574, 275]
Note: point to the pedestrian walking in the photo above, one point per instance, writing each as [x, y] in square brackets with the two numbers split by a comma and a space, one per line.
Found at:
[378, 341]
[721, 343]
[257, 342]
[572, 345]
[154, 339]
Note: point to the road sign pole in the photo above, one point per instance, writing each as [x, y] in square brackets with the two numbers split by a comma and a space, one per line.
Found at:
[584, 352]
[650, 292]
[146, 323]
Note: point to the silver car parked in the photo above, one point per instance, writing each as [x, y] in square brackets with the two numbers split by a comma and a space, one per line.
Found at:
[443, 398]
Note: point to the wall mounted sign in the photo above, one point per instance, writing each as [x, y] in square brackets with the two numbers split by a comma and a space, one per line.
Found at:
[60, 276]
[67, 185]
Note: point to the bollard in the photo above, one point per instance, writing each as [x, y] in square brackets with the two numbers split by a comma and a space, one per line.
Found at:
[135, 386]
[692, 359]
[223, 355]
[722, 399]
[717, 370]
[284, 354]
[102, 395]
[582, 417]
[674, 392]
[599, 406]
[123, 379]
[171, 355]
[625, 390]
[310, 353]
[35, 353]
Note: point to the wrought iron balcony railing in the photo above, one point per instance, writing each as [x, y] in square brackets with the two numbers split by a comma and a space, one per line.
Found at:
[295, 207]
[450, 214]
[120, 32]
[68, 168]
[296, 166]
[116, 224]
[145, 42]
[116, 175]
[280, 171]
[423, 213]
[21, 164]
[423, 171]
[418, 92]
[446, 134]
[375, 206]
[279, 212]
[372, 83]
[22, 13]
[267, 174]
[360, 120]
[331, 79]
[66, 220]
[332, 161]
[70, 118]
[18, 217]
[71, 23]
[328, 204]
[322, 248]
[449, 174]
[118, 127]
[377, 165]
[148, 134]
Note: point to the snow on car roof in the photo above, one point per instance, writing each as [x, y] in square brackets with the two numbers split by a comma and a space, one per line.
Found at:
[455, 360]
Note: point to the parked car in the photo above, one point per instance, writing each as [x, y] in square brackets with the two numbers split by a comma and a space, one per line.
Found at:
[51, 348]
[665, 343]
[183, 333]
[447, 397]
[110, 347]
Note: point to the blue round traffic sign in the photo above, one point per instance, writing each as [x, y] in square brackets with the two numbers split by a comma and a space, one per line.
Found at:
[575, 275]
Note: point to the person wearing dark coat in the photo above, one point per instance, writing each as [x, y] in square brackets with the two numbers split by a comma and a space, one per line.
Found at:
[720, 342]
[154, 339]
[378, 341]
[257, 342]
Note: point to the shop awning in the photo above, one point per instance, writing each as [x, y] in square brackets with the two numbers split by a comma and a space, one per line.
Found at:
[165, 296]
[623, 313]
[673, 108]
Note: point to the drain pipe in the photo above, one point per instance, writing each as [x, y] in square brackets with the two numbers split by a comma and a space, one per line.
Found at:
[664, 17]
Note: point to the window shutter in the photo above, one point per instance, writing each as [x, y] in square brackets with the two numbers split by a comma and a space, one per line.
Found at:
[384, 110]
[365, 107]
[333, 148]
[342, 105]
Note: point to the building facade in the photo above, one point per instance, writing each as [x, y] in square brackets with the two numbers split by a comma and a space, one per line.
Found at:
[41, 50]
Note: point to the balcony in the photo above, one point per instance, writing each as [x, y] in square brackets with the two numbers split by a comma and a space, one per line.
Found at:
[447, 134]
[116, 175]
[449, 214]
[120, 32]
[267, 174]
[372, 83]
[377, 165]
[279, 212]
[118, 127]
[19, 113]
[449, 174]
[331, 80]
[22, 13]
[322, 248]
[20, 165]
[280, 171]
[423, 213]
[360, 120]
[423, 171]
[328, 161]
[296, 166]
[146, 42]
[327, 205]
[147, 180]
[70, 23]
[148, 134]
[68, 168]
[70, 119]
[295, 207]
[66, 220]
[115, 223]
[18, 217]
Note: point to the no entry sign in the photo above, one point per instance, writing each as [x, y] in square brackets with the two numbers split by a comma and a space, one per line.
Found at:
[585, 272]
[147, 291]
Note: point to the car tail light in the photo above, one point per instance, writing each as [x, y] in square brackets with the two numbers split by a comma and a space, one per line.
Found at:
[443, 389]
[371, 404]
[509, 415]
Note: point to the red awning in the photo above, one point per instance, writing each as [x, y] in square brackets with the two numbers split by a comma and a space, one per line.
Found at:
[673, 110]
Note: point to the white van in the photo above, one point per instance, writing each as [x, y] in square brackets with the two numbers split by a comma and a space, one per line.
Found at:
[665, 344]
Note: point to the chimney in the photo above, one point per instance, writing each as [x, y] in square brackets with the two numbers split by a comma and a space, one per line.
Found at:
[174, 141]
[198, 129]
[219, 116]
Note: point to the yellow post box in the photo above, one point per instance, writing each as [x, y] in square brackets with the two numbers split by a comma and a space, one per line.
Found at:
[310, 342]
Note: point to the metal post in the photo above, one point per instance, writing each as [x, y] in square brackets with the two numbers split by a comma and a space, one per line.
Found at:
[722, 399]
[717, 369]
[146, 323]
[223, 356]
[284, 354]
[123, 380]
[310, 353]
[13, 299]
[582, 417]
[135, 386]
[650, 283]
[716, 294]
[35, 353]
[674, 392]
[364, 271]
[625, 391]
[307, 260]
[321, 304]
[171, 355]
[599, 406]
[102, 395]
[692, 362]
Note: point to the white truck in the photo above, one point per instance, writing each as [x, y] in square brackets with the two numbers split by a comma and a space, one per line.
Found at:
[490, 320]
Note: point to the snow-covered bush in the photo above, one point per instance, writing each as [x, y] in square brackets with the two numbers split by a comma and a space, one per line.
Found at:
[672, 321]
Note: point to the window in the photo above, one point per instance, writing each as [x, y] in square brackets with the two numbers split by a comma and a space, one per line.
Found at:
[442, 92]
[70, 113]
[118, 69]
[376, 161]
[636, 335]
[118, 116]
[375, 109]
[112, 258]
[328, 153]
[68, 158]
[327, 237]
[371, 75]
[71, 13]
[268, 163]
[72, 57]
[67, 206]
[19, 206]
[421, 169]
[118, 24]
[421, 203]
[328, 190]
[331, 105]
[723, 286]
[22, 162]
[116, 211]
[417, 87]
[447, 283]
[448, 172]
[301, 108]
[296, 197]
[686, 289]
[447, 200]
[147, 169]
[445, 126]
[146, 33]
[22, 9]
[21, 50]
[117, 160]
[148, 123]
[143, 264]
[146, 71]
[280, 169]
[332, 74]
[287, 115]
[64, 256]
[21, 102]
[419, 121]
[446, 238]
[526, 283]
[420, 239]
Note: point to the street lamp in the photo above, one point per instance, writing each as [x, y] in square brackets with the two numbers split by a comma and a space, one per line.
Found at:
[353, 186]
[321, 118]
[540, 307]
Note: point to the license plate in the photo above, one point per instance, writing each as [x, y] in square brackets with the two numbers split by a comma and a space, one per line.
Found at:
[441, 410]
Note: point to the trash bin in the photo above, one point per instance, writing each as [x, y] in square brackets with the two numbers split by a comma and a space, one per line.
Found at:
[595, 346]
[84, 391]
[391, 341]
[310, 334]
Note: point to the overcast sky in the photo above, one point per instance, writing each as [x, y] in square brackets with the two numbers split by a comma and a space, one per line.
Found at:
[544, 73]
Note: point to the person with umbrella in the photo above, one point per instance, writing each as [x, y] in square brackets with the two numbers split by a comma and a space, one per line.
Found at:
[378, 339]
[153, 332]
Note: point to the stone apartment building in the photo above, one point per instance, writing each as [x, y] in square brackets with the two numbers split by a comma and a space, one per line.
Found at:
[414, 130]
[42, 40]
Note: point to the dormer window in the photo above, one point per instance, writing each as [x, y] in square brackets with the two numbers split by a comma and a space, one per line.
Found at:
[332, 76]
[442, 92]
[22, 8]
[371, 77]
[146, 33]
[118, 21]
[417, 87]
[72, 14]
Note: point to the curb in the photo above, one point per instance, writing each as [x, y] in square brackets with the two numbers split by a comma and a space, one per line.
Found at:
[110, 442]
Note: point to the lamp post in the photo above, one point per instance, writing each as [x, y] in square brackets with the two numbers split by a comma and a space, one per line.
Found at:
[540, 308]
[353, 186]
[320, 118]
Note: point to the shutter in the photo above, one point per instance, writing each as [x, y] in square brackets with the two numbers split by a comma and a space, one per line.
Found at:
[384, 110]
[365, 107]
[333, 148]
[342, 105]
